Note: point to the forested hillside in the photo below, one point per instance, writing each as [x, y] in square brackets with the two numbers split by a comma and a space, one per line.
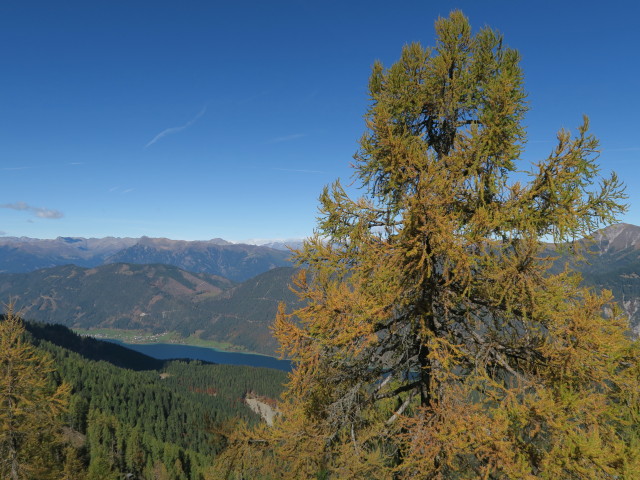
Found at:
[152, 422]
[154, 299]
[244, 316]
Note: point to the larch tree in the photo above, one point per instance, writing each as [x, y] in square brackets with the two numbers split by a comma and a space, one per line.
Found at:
[434, 343]
[31, 406]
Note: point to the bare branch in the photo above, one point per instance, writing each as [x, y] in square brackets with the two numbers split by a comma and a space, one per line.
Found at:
[402, 408]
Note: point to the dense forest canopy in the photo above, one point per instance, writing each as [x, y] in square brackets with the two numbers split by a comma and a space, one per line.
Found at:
[434, 343]
[76, 408]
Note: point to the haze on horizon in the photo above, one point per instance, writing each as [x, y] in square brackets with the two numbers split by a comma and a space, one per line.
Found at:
[225, 120]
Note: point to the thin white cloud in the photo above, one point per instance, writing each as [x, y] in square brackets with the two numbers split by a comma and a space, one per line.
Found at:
[15, 168]
[120, 190]
[37, 211]
[47, 213]
[75, 163]
[287, 138]
[2, 232]
[172, 130]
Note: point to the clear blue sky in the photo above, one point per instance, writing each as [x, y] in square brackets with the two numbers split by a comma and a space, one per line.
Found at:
[194, 120]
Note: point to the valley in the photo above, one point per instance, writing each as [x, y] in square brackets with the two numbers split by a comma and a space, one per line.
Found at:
[148, 302]
[154, 302]
[144, 338]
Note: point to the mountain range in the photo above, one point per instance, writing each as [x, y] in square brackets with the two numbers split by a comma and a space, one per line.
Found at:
[146, 290]
[613, 262]
[237, 262]
[155, 299]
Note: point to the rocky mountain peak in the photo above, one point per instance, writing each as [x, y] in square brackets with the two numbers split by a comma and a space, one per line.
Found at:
[621, 236]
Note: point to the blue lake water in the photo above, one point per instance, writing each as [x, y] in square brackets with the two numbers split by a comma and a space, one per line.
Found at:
[167, 351]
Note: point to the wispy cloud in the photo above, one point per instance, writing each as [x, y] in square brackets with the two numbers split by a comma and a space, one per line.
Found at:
[15, 168]
[2, 232]
[172, 130]
[75, 163]
[287, 138]
[251, 98]
[120, 190]
[298, 170]
[37, 211]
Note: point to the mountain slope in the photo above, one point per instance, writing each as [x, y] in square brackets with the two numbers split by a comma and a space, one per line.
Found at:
[154, 299]
[244, 315]
[123, 423]
[92, 349]
[611, 261]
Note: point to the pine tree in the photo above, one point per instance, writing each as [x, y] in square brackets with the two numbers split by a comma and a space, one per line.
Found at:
[30, 407]
[434, 342]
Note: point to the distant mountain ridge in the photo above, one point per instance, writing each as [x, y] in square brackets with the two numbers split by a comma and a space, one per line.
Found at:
[237, 262]
[24, 254]
[283, 244]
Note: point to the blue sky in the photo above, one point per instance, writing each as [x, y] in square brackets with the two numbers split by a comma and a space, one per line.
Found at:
[195, 120]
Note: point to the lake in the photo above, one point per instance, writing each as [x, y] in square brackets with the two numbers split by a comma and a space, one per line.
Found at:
[167, 351]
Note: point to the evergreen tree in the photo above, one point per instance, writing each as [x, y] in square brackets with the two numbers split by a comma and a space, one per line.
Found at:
[434, 343]
[73, 469]
[30, 407]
